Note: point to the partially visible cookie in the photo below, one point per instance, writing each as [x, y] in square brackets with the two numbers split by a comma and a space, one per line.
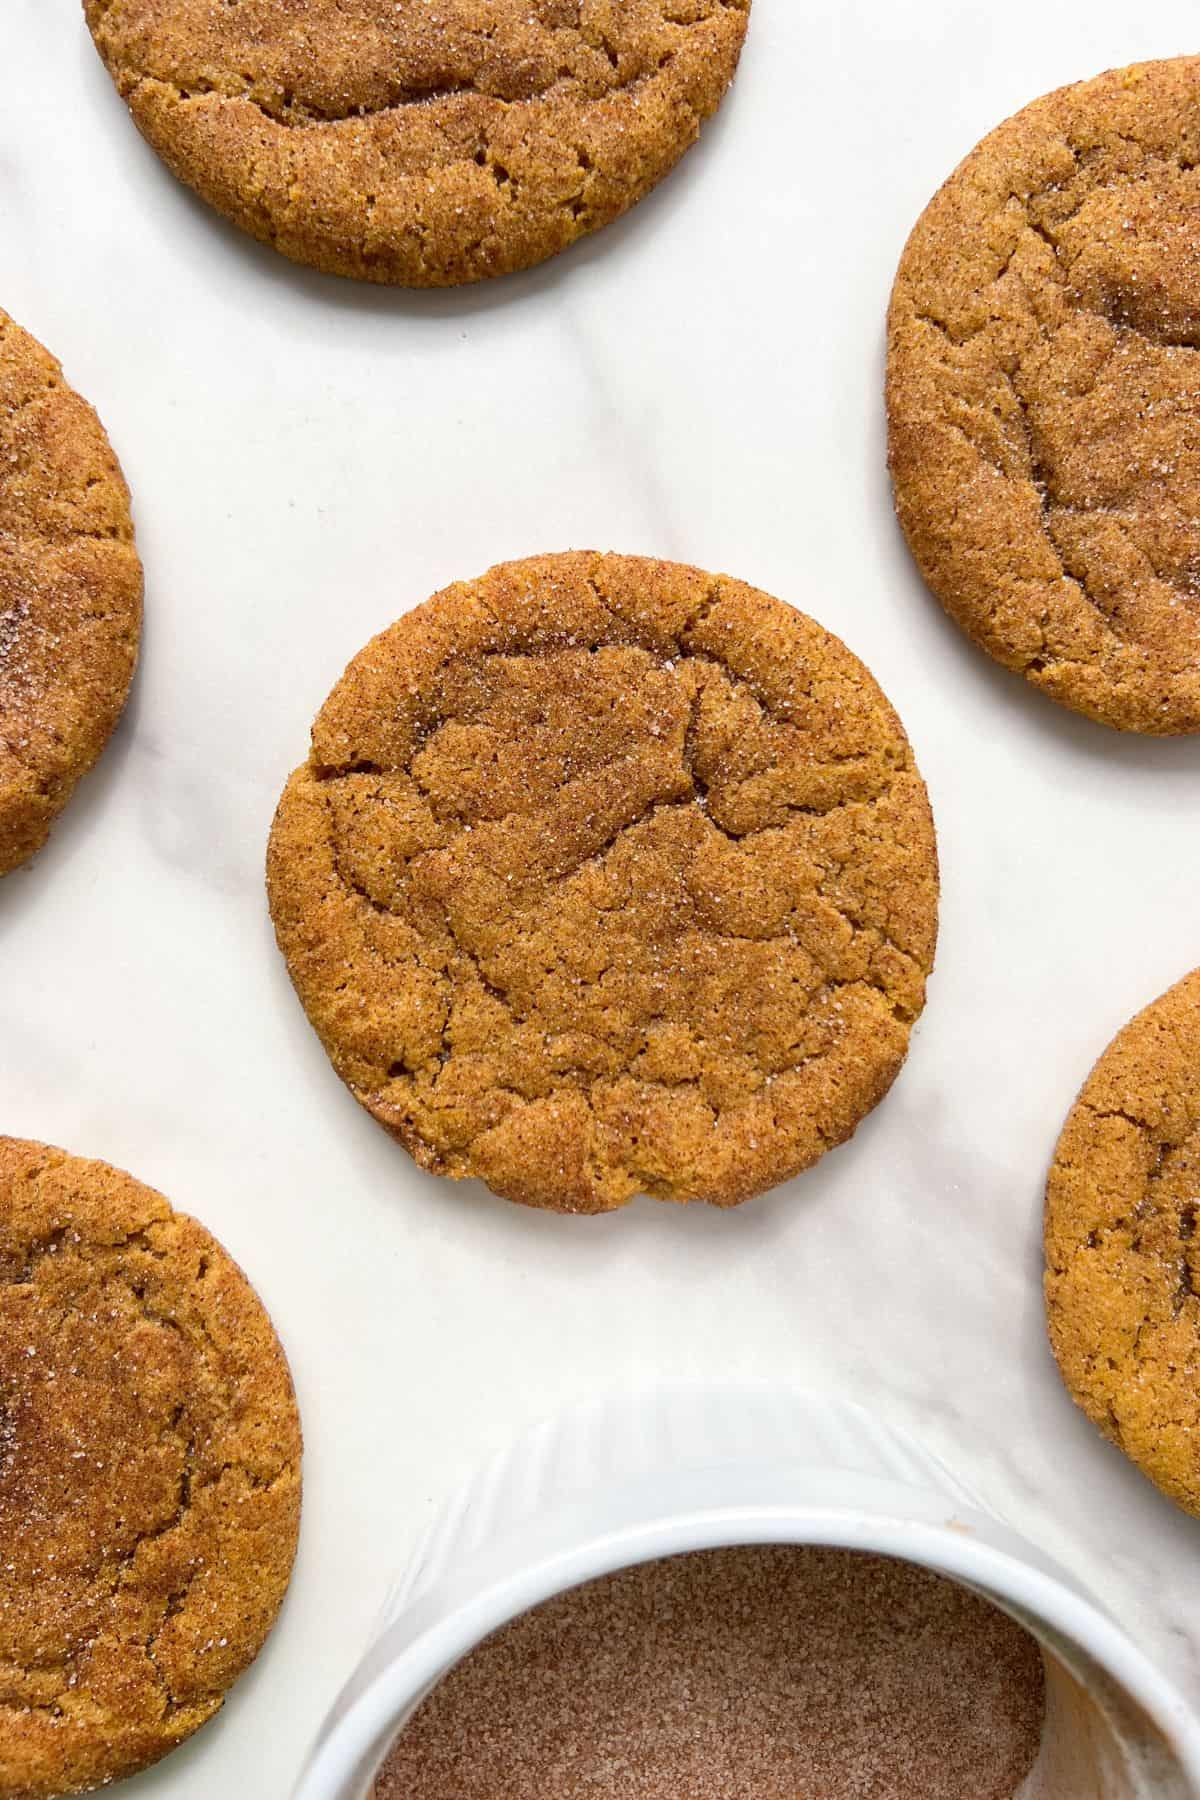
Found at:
[1044, 396]
[420, 142]
[149, 1474]
[606, 877]
[70, 592]
[1122, 1248]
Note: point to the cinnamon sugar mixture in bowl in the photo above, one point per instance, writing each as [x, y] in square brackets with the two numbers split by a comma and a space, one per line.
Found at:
[762, 1673]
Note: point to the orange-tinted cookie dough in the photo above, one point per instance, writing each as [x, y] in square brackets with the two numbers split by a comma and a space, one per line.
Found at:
[606, 876]
[420, 142]
[1044, 396]
[1122, 1252]
[149, 1474]
[70, 592]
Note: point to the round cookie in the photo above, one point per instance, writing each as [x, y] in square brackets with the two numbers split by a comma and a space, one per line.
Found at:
[605, 877]
[70, 592]
[424, 143]
[1044, 396]
[149, 1474]
[1122, 1250]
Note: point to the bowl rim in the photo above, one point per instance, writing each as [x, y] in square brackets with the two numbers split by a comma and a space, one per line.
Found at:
[958, 1549]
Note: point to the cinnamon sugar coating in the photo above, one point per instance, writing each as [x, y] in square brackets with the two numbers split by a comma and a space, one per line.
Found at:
[420, 142]
[149, 1474]
[766, 1673]
[1044, 396]
[605, 877]
[70, 592]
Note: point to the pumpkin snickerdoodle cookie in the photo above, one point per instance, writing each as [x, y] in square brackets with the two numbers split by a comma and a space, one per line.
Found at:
[1044, 396]
[420, 142]
[1122, 1248]
[70, 592]
[605, 877]
[149, 1474]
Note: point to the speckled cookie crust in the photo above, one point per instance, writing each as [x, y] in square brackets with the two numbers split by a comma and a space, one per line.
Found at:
[604, 877]
[1044, 396]
[70, 592]
[149, 1474]
[420, 142]
[1122, 1250]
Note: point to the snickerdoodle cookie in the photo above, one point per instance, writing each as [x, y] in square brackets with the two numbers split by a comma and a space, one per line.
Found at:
[149, 1474]
[1122, 1249]
[1044, 396]
[70, 592]
[605, 877]
[420, 142]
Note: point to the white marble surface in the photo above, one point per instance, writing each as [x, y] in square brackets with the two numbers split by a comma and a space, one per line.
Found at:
[308, 460]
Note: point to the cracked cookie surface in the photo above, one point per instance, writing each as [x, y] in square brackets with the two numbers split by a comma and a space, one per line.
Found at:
[149, 1474]
[1122, 1250]
[1044, 396]
[424, 143]
[604, 877]
[70, 592]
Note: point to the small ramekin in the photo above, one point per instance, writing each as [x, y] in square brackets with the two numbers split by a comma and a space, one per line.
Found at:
[625, 1482]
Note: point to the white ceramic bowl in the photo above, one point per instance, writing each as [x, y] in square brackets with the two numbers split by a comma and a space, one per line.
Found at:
[639, 1478]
